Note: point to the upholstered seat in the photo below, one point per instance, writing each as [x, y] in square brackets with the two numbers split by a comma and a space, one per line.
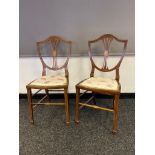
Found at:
[49, 81]
[100, 83]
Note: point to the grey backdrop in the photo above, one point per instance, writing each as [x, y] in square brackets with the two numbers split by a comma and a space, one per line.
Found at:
[76, 20]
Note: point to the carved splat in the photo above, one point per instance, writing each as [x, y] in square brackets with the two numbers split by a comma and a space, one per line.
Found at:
[55, 41]
[106, 42]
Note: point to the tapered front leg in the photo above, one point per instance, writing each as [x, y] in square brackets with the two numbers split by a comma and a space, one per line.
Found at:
[116, 105]
[77, 105]
[30, 108]
[66, 105]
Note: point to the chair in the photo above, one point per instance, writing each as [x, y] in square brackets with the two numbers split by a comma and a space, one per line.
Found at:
[53, 46]
[102, 85]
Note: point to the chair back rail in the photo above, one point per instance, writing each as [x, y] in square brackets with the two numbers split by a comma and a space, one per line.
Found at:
[55, 42]
[107, 40]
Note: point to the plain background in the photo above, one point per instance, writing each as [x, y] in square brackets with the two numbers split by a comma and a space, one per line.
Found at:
[76, 20]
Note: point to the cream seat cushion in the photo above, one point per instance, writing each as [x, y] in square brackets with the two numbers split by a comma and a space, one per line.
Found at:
[50, 81]
[100, 83]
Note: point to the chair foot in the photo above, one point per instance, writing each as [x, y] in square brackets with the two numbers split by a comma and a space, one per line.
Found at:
[31, 121]
[67, 123]
[114, 132]
[77, 122]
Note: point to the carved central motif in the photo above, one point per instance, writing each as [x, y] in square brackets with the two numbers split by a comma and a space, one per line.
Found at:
[106, 43]
[106, 53]
[54, 53]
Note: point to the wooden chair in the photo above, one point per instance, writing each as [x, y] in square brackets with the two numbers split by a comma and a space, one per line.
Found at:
[102, 85]
[53, 45]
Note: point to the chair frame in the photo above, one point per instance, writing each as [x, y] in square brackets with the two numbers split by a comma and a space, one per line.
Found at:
[107, 38]
[54, 40]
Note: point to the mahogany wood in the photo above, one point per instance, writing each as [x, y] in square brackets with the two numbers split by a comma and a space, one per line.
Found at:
[106, 39]
[54, 41]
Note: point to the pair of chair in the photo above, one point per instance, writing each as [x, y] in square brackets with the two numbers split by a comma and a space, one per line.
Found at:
[102, 85]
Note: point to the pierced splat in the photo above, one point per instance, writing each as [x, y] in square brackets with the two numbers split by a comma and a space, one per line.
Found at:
[54, 54]
[55, 41]
[106, 42]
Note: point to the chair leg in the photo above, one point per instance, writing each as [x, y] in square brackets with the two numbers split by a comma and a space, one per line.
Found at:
[48, 97]
[66, 105]
[30, 108]
[77, 105]
[116, 104]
